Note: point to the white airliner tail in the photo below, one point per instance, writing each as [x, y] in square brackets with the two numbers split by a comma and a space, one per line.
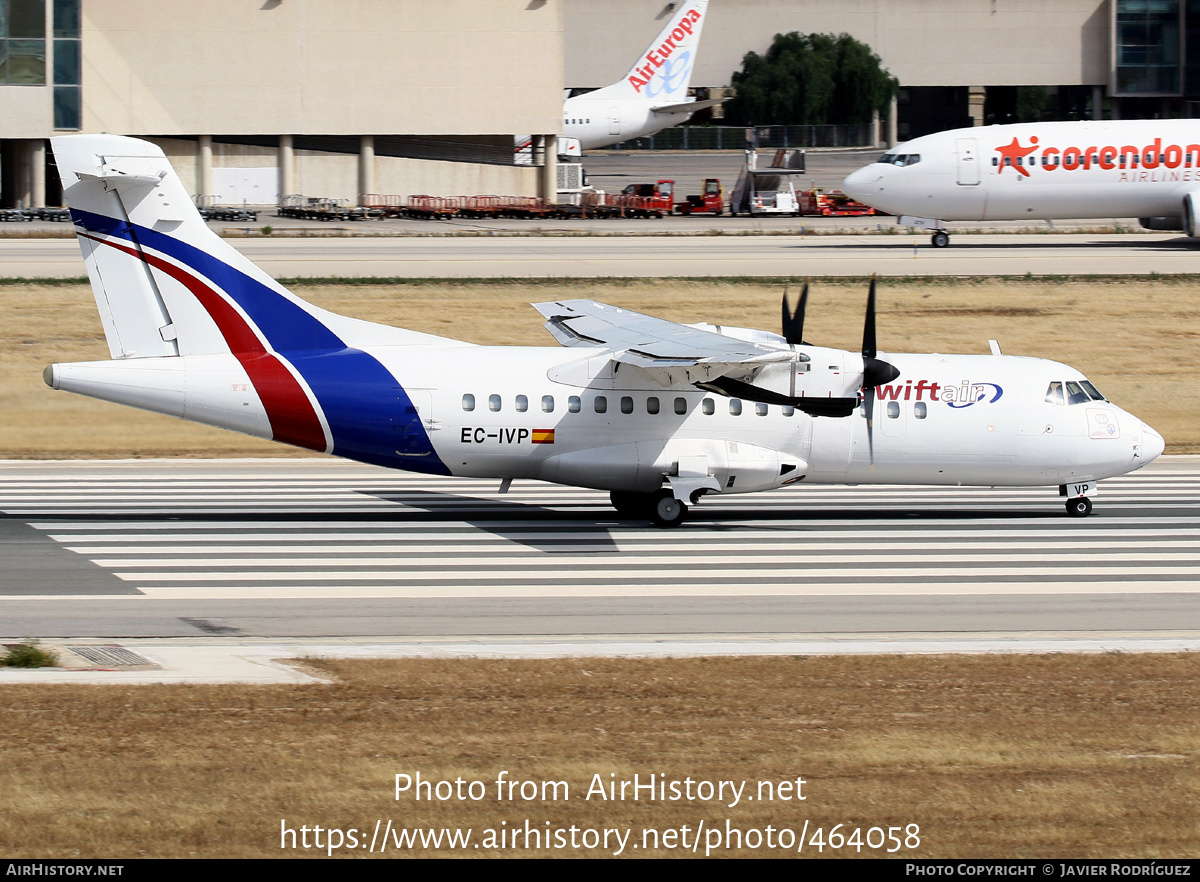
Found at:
[167, 285]
[663, 70]
[197, 331]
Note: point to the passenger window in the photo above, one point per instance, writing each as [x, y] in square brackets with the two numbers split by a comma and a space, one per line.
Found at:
[600, 404]
[468, 402]
[494, 403]
[574, 405]
[735, 407]
[626, 404]
[1054, 393]
[920, 410]
[760, 408]
[522, 404]
[709, 407]
[651, 405]
[1076, 395]
[893, 410]
[681, 406]
[788, 410]
[547, 404]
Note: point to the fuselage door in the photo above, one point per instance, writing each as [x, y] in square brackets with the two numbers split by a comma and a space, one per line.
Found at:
[413, 423]
[967, 150]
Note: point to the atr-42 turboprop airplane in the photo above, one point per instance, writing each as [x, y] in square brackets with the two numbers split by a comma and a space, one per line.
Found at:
[657, 413]
[1148, 169]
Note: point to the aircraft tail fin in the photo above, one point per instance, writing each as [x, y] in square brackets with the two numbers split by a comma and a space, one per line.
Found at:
[663, 70]
[164, 283]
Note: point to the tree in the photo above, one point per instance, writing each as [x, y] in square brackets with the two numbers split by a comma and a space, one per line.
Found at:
[811, 79]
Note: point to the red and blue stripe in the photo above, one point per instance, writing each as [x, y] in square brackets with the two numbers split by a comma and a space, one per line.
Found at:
[363, 404]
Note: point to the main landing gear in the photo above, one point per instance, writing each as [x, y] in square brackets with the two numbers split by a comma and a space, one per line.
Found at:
[940, 239]
[661, 507]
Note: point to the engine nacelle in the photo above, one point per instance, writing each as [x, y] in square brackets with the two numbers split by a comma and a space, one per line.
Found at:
[1191, 214]
[1163, 224]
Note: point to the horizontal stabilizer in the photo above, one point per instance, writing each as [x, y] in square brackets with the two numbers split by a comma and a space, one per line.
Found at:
[689, 106]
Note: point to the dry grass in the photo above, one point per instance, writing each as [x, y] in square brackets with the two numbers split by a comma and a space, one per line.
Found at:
[1000, 756]
[1137, 340]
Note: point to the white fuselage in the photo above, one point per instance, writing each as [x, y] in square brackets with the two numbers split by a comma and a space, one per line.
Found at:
[1111, 169]
[566, 416]
[598, 122]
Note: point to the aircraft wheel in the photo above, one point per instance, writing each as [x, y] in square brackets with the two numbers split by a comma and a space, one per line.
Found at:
[1079, 508]
[630, 505]
[940, 239]
[667, 510]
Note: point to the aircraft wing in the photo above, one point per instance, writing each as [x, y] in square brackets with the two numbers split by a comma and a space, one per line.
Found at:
[689, 106]
[667, 352]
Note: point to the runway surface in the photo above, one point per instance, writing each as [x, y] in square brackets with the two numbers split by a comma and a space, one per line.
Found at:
[636, 256]
[315, 547]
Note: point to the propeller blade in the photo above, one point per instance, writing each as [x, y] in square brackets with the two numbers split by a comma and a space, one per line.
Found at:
[869, 404]
[875, 371]
[793, 325]
[868, 349]
[786, 324]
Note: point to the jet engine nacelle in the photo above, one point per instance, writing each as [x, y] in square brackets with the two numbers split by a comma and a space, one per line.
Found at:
[1163, 224]
[1191, 214]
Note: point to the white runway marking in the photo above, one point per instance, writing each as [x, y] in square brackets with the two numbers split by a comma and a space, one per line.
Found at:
[327, 529]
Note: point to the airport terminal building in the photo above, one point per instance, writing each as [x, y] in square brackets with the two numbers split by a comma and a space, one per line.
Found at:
[255, 100]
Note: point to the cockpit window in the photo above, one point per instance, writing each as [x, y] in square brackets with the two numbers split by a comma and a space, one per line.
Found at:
[900, 158]
[1054, 393]
[1075, 394]
[1092, 391]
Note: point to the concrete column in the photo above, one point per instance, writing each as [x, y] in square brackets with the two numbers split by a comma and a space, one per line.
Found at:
[874, 128]
[1097, 102]
[548, 179]
[37, 173]
[718, 111]
[976, 96]
[204, 176]
[287, 167]
[1114, 108]
[893, 122]
[366, 166]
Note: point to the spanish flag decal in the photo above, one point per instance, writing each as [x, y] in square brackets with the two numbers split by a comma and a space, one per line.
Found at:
[543, 436]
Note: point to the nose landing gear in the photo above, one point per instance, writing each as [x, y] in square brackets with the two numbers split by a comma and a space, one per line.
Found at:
[940, 239]
[1080, 507]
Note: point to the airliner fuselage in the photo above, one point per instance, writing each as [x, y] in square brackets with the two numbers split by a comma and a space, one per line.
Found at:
[1038, 171]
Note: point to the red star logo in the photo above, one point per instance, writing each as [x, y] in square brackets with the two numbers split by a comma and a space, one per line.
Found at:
[1011, 153]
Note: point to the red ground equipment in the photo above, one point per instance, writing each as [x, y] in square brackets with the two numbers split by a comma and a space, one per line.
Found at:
[711, 201]
[647, 200]
[832, 203]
